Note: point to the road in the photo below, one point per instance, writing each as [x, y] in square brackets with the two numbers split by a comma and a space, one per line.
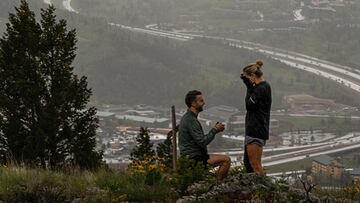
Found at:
[307, 115]
[48, 2]
[67, 6]
[348, 142]
[343, 75]
[350, 79]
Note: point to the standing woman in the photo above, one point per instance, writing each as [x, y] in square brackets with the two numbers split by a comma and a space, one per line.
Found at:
[258, 105]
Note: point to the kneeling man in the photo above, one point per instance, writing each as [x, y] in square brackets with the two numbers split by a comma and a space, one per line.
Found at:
[192, 140]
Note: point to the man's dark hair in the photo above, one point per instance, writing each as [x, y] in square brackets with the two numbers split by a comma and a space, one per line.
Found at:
[191, 97]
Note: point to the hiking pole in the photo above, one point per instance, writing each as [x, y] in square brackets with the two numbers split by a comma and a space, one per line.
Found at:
[173, 115]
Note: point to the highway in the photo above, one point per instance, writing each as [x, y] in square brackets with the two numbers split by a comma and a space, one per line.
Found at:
[343, 75]
[348, 142]
[48, 2]
[67, 6]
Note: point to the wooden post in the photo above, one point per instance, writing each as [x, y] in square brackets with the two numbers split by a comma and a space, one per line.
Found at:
[173, 115]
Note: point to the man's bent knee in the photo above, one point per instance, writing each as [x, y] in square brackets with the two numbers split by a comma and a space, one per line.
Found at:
[219, 159]
[227, 159]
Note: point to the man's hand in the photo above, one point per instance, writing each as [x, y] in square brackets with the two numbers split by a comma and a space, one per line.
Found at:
[219, 127]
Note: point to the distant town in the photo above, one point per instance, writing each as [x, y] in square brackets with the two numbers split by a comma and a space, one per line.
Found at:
[119, 126]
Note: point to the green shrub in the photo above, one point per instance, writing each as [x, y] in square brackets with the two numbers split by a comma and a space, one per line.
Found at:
[188, 172]
[153, 178]
[237, 170]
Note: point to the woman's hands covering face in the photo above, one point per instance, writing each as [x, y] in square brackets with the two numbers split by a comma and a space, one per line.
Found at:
[250, 77]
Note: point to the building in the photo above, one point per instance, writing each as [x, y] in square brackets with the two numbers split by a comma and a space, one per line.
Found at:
[105, 115]
[320, 2]
[237, 123]
[107, 121]
[327, 165]
[218, 114]
[159, 111]
[145, 121]
[355, 175]
[147, 113]
[119, 164]
[308, 104]
[323, 3]
[117, 109]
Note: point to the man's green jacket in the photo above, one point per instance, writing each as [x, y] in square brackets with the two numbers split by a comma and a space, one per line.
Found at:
[192, 140]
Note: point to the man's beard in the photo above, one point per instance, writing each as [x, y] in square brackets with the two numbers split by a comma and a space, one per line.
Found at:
[200, 109]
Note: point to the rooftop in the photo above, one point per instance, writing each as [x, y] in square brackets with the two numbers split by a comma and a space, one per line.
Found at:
[356, 172]
[307, 99]
[323, 159]
[222, 111]
[104, 114]
[141, 119]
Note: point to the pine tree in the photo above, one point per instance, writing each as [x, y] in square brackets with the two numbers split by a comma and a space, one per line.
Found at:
[43, 104]
[20, 86]
[164, 152]
[144, 148]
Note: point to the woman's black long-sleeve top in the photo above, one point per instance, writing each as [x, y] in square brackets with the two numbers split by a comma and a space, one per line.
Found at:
[258, 106]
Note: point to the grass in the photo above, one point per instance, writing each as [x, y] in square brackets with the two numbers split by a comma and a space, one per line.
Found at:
[22, 185]
[19, 184]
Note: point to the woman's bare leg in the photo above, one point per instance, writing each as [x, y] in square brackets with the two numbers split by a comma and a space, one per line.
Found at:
[255, 152]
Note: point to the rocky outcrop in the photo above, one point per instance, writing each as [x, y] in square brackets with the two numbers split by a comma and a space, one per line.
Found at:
[251, 188]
